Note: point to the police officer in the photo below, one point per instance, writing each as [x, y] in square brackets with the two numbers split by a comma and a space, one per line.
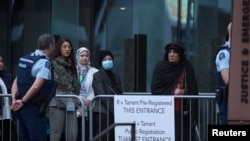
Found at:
[222, 61]
[32, 82]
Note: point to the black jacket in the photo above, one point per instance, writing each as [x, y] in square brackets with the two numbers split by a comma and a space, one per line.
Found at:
[166, 75]
[106, 83]
[165, 78]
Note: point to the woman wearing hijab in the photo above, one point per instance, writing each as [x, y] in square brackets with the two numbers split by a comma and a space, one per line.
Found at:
[105, 82]
[175, 76]
[85, 76]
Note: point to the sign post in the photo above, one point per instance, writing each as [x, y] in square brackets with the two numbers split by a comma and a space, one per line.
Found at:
[152, 115]
[239, 77]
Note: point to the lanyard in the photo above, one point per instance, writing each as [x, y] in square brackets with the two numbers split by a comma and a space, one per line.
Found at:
[82, 77]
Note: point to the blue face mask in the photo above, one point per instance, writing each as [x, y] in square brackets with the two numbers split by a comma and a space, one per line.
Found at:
[107, 65]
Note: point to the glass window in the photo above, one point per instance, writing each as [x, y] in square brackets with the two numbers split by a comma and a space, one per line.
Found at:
[136, 31]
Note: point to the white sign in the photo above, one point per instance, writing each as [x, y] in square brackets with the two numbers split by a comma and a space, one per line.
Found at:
[153, 115]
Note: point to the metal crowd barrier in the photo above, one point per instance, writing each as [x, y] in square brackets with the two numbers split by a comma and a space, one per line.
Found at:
[79, 105]
[207, 113]
[112, 128]
[9, 122]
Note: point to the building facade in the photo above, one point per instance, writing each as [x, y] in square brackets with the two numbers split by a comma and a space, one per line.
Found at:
[136, 31]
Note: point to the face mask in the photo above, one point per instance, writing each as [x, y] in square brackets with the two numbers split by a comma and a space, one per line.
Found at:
[107, 65]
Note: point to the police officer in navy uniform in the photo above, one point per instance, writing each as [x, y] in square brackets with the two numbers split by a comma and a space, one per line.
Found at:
[32, 88]
[222, 62]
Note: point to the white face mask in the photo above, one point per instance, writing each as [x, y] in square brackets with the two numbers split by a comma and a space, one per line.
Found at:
[107, 65]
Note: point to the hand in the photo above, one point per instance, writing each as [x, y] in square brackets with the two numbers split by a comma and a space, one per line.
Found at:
[16, 104]
[86, 102]
[178, 90]
[79, 113]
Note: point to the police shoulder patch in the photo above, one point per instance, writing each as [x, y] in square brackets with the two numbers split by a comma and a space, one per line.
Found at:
[221, 55]
[47, 65]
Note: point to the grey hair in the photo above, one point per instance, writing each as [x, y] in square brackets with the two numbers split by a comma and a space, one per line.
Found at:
[45, 40]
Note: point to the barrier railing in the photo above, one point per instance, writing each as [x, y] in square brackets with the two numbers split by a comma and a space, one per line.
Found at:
[111, 127]
[9, 123]
[79, 105]
[207, 113]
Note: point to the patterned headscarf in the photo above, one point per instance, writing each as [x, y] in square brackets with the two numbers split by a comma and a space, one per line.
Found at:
[78, 53]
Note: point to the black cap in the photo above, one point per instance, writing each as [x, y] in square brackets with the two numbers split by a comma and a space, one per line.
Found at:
[104, 53]
[175, 46]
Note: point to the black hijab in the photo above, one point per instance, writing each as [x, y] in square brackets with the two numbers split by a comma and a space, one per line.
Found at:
[166, 74]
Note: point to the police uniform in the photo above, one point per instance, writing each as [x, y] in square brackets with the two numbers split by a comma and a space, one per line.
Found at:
[31, 119]
[222, 61]
[42, 68]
